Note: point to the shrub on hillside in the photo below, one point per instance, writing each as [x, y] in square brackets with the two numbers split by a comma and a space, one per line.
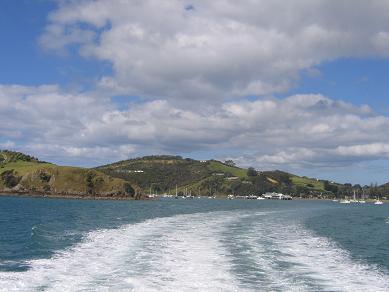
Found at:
[10, 179]
[251, 171]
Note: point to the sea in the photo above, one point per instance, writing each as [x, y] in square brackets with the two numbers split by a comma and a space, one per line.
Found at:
[192, 245]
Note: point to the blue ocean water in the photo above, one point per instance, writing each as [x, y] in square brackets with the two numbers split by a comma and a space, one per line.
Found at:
[192, 245]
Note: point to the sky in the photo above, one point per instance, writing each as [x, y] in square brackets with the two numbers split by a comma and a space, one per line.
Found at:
[301, 86]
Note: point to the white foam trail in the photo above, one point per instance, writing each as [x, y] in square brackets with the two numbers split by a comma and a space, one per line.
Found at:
[330, 265]
[263, 256]
[180, 253]
[196, 253]
[294, 259]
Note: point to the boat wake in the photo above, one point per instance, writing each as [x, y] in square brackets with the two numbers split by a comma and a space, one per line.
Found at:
[180, 253]
[217, 251]
[287, 257]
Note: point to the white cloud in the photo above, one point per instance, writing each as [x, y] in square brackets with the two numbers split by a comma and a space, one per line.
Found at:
[301, 130]
[219, 49]
[375, 150]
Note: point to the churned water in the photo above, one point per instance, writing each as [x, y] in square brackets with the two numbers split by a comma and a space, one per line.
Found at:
[192, 245]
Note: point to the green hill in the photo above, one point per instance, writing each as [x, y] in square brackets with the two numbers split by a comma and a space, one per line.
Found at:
[163, 173]
[20, 173]
[24, 174]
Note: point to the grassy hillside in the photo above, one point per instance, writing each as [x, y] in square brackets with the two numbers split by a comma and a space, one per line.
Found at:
[20, 173]
[307, 182]
[217, 166]
[212, 177]
[159, 172]
[25, 174]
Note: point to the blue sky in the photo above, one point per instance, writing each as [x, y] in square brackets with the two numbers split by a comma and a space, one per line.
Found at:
[90, 83]
[357, 80]
[22, 23]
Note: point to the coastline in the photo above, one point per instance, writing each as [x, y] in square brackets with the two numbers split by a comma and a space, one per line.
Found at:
[122, 198]
[68, 196]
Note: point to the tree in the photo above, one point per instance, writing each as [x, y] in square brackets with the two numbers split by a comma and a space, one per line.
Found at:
[128, 189]
[10, 179]
[230, 163]
[330, 187]
[251, 171]
[90, 182]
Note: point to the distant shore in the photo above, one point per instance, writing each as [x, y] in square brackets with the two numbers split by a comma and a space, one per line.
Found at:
[67, 196]
[126, 198]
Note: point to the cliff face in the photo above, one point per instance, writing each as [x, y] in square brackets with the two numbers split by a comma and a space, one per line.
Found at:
[30, 176]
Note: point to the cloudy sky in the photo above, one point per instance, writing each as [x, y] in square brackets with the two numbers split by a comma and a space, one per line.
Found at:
[298, 85]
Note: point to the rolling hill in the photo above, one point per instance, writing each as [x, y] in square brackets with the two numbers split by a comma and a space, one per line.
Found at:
[162, 174]
[23, 174]
[136, 178]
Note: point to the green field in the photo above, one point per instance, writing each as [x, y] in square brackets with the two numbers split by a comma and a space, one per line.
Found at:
[24, 167]
[217, 166]
[308, 182]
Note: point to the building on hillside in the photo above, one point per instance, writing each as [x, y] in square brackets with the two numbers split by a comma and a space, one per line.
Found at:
[218, 173]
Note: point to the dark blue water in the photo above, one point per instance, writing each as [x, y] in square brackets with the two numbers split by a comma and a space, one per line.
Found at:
[192, 245]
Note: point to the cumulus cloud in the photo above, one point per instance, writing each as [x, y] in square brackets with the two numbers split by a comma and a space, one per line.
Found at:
[47, 121]
[304, 130]
[216, 49]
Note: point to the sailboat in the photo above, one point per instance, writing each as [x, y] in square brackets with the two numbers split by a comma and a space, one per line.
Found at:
[354, 200]
[378, 202]
[345, 201]
[362, 200]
